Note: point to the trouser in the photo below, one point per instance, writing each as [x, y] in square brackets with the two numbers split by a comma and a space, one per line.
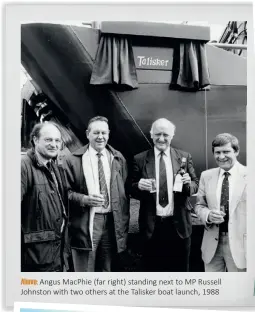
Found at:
[80, 260]
[166, 251]
[104, 246]
[222, 260]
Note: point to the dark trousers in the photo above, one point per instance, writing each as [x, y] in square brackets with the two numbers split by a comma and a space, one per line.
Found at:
[166, 251]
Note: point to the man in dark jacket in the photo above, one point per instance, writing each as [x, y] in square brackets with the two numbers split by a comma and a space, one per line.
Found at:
[43, 203]
[164, 216]
[99, 207]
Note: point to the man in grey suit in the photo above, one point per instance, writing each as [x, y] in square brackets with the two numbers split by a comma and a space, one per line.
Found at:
[221, 205]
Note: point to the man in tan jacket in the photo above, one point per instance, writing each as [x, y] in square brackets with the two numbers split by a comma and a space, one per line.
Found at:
[221, 205]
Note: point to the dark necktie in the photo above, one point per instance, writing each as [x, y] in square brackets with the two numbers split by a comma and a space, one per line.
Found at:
[102, 181]
[163, 191]
[224, 202]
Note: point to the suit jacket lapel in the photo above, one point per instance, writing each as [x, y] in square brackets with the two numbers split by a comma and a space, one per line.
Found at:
[150, 167]
[87, 176]
[176, 161]
[238, 189]
[212, 185]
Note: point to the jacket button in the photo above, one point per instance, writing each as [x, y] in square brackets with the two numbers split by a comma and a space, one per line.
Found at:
[52, 192]
[216, 238]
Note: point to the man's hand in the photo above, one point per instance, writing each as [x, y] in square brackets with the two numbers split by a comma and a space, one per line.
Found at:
[94, 200]
[186, 179]
[145, 185]
[216, 217]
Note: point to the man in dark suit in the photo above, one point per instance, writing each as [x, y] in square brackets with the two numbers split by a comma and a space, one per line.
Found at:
[164, 217]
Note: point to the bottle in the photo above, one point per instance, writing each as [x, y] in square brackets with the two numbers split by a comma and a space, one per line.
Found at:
[182, 169]
[178, 184]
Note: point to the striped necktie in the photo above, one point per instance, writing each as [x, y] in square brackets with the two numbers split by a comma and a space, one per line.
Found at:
[102, 181]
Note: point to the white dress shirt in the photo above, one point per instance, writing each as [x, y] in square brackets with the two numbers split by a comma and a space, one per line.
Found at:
[169, 209]
[231, 179]
[93, 180]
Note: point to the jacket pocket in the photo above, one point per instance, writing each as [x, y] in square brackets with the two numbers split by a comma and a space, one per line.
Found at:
[42, 251]
[39, 236]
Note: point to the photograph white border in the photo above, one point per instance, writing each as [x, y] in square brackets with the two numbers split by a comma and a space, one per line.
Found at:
[165, 11]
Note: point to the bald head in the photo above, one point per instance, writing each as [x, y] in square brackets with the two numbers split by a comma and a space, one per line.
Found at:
[162, 132]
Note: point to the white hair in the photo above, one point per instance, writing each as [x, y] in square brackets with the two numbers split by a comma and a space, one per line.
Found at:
[164, 120]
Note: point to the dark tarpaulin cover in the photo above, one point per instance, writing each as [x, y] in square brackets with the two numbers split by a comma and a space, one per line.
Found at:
[114, 62]
[59, 59]
[190, 68]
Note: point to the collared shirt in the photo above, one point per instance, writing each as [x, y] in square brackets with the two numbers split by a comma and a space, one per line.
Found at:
[41, 160]
[106, 160]
[232, 179]
[169, 209]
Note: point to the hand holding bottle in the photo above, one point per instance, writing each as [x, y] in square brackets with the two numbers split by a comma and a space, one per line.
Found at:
[186, 179]
[181, 177]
